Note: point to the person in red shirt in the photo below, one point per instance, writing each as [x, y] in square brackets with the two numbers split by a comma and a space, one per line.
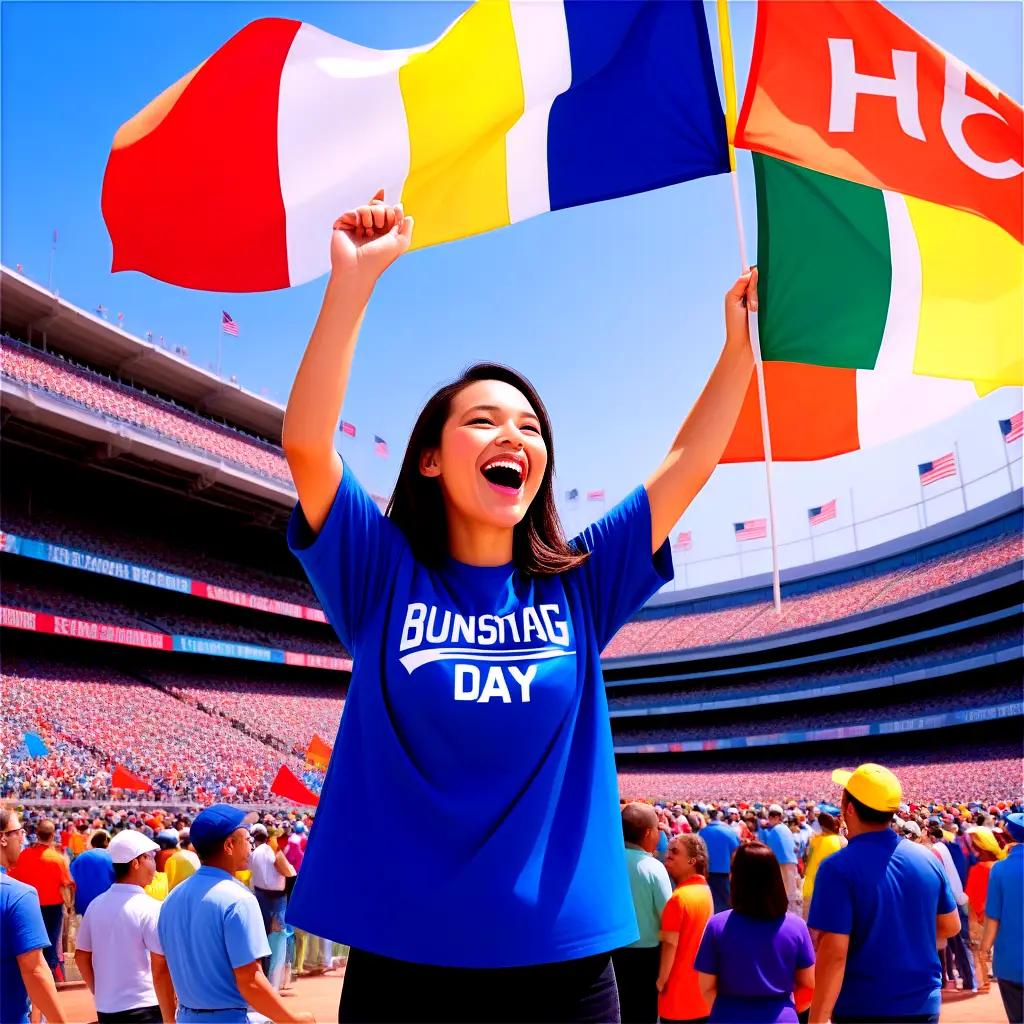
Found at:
[682, 926]
[46, 869]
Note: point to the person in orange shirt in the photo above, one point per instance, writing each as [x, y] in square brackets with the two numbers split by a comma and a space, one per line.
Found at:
[988, 851]
[78, 840]
[682, 926]
[46, 869]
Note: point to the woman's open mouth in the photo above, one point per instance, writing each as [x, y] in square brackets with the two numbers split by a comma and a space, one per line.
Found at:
[505, 475]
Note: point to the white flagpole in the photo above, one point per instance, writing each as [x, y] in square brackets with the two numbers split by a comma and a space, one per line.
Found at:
[220, 343]
[729, 79]
[960, 474]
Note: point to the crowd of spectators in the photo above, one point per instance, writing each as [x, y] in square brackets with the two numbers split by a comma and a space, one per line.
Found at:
[951, 773]
[821, 718]
[93, 720]
[146, 613]
[790, 682]
[87, 388]
[157, 552]
[759, 619]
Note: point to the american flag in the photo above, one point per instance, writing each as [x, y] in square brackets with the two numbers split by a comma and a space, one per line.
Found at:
[937, 469]
[380, 447]
[573, 495]
[751, 529]
[102, 310]
[683, 541]
[1013, 428]
[227, 325]
[348, 429]
[595, 495]
[822, 513]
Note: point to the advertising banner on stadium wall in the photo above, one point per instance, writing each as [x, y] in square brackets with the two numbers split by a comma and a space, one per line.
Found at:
[132, 572]
[129, 636]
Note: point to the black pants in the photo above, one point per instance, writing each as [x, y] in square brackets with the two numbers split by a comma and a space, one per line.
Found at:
[1012, 993]
[142, 1015]
[378, 989]
[636, 975]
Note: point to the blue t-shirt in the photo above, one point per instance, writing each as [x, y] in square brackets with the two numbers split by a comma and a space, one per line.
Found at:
[93, 872]
[720, 840]
[209, 925]
[477, 706]
[782, 843]
[1005, 903]
[885, 893]
[755, 962]
[21, 931]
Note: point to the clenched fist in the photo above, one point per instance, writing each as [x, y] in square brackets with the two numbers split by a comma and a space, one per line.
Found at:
[370, 238]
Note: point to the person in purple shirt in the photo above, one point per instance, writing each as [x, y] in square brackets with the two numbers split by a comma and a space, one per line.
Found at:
[754, 956]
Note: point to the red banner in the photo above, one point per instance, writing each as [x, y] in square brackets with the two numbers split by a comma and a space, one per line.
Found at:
[124, 779]
[291, 787]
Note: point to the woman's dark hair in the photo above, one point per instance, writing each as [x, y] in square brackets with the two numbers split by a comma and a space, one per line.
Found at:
[539, 547]
[868, 815]
[828, 823]
[756, 885]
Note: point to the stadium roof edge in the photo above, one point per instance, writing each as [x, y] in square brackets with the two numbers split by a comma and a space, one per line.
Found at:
[759, 586]
[34, 312]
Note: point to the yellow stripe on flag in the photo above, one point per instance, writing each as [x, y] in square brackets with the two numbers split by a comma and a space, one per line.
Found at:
[972, 298]
[728, 77]
[461, 97]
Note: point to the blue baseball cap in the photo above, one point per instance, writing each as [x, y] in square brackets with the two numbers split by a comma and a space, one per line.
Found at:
[218, 822]
[1015, 826]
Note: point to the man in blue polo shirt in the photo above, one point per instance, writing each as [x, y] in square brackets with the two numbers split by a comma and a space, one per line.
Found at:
[93, 871]
[1004, 921]
[783, 844]
[720, 840]
[212, 931]
[881, 905]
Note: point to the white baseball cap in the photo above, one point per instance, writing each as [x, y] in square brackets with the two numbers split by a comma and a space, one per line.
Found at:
[128, 845]
[912, 827]
[775, 809]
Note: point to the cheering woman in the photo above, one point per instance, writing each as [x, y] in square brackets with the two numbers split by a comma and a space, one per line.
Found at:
[476, 712]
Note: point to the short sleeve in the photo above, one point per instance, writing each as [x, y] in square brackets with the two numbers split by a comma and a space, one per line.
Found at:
[351, 560]
[804, 945]
[621, 574]
[244, 936]
[660, 885]
[672, 915]
[83, 940]
[27, 931]
[994, 901]
[832, 906]
[150, 930]
[706, 960]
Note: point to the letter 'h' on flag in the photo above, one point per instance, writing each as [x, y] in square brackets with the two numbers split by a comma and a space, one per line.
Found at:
[519, 108]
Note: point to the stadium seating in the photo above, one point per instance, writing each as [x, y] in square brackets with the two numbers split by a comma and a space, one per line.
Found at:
[94, 391]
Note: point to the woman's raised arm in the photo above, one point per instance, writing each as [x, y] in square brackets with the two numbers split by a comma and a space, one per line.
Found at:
[364, 243]
[704, 434]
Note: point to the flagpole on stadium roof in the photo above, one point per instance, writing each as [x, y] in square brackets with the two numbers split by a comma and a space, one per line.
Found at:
[729, 84]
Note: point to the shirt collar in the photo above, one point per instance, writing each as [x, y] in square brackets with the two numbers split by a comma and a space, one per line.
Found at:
[693, 880]
[639, 849]
[882, 836]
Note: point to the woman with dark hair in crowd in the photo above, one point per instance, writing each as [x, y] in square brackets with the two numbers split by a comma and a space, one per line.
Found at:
[476, 693]
[754, 956]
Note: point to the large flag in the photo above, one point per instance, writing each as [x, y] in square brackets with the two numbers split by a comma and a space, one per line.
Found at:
[287, 784]
[121, 778]
[835, 292]
[318, 753]
[849, 90]
[517, 109]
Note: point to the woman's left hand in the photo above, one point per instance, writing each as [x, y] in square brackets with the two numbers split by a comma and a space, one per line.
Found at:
[739, 299]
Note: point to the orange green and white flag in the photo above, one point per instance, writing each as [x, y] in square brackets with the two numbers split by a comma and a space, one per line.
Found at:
[896, 218]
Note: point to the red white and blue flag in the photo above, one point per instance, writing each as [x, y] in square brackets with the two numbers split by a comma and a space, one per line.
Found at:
[751, 529]
[937, 469]
[822, 513]
[227, 325]
[1013, 428]
[348, 429]
[683, 541]
[380, 447]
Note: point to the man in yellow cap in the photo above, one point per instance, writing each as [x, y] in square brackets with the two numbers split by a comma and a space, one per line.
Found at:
[880, 907]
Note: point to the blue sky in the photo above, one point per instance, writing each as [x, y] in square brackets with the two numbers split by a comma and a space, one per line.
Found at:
[614, 310]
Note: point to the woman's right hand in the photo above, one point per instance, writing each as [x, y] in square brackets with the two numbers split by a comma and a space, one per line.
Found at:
[370, 238]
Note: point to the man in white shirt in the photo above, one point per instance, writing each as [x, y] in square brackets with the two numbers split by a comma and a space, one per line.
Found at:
[269, 869]
[119, 954]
